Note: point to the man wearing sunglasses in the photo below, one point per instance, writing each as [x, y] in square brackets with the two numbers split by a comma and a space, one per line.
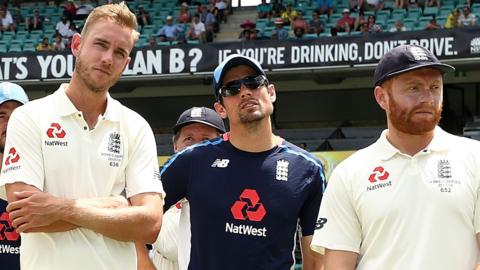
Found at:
[249, 189]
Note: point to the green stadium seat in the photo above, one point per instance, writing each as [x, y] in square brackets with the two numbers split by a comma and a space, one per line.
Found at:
[15, 47]
[414, 12]
[309, 36]
[430, 11]
[29, 47]
[3, 48]
[193, 41]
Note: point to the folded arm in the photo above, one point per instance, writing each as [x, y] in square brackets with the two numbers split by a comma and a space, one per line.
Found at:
[34, 211]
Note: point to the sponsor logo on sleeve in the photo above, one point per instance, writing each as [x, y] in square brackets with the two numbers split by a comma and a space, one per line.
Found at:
[11, 161]
[320, 223]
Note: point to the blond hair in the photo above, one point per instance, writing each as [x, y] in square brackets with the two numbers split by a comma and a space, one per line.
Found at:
[118, 13]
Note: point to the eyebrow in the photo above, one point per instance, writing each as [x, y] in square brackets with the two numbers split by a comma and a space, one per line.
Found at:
[105, 41]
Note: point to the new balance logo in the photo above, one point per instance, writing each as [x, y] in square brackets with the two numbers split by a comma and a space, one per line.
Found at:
[220, 163]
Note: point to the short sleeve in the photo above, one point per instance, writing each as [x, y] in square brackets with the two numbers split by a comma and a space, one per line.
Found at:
[309, 211]
[174, 176]
[22, 159]
[337, 227]
[142, 171]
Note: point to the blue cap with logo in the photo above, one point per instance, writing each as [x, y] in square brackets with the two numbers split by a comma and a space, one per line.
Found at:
[12, 92]
[202, 115]
[230, 62]
[406, 58]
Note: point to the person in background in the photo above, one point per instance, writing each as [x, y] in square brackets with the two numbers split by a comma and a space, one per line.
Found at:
[171, 251]
[12, 96]
[44, 45]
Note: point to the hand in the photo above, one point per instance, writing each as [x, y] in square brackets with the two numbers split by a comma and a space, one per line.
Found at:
[33, 209]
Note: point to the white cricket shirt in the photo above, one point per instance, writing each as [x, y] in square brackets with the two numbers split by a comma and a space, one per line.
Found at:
[50, 146]
[402, 212]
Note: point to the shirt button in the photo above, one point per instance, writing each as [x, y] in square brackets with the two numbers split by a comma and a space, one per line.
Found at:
[79, 115]
[85, 128]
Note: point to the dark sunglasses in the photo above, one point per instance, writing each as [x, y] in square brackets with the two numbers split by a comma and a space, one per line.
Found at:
[251, 82]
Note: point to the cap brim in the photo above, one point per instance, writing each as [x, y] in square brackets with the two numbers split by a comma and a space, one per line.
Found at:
[237, 61]
[13, 99]
[177, 128]
[444, 68]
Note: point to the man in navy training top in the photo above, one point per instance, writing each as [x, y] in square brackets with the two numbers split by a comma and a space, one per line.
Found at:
[249, 188]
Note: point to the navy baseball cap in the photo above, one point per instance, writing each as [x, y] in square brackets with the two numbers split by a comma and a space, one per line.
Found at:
[230, 62]
[406, 58]
[12, 92]
[202, 115]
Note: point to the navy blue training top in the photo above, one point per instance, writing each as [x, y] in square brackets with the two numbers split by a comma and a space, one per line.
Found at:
[244, 207]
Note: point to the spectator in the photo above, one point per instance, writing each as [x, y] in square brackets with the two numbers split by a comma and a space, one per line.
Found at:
[220, 11]
[263, 10]
[63, 27]
[432, 3]
[299, 22]
[346, 23]
[452, 19]
[17, 17]
[83, 10]
[373, 5]
[401, 4]
[70, 9]
[412, 4]
[277, 8]
[324, 6]
[398, 27]
[44, 45]
[251, 34]
[289, 14]
[246, 26]
[467, 18]
[303, 146]
[152, 42]
[354, 5]
[210, 23]
[359, 20]
[58, 44]
[170, 31]
[433, 25]
[279, 33]
[143, 17]
[298, 32]
[6, 20]
[364, 28]
[197, 30]
[373, 27]
[35, 22]
[184, 14]
[315, 25]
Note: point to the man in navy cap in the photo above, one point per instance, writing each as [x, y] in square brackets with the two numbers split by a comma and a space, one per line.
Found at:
[11, 96]
[171, 251]
[408, 201]
[249, 189]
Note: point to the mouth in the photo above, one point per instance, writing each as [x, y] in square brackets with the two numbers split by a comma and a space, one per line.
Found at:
[248, 104]
[102, 71]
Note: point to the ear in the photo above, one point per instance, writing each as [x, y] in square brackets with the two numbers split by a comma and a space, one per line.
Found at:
[381, 96]
[272, 93]
[76, 41]
[220, 110]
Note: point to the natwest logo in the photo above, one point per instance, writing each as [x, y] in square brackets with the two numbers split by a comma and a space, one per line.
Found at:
[56, 131]
[378, 179]
[378, 174]
[13, 156]
[7, 232]
[248, 207]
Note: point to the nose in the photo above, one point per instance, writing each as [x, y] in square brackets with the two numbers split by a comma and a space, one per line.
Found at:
[107, 58]
[245, 91]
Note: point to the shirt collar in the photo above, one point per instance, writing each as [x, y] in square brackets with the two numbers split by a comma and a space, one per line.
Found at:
[65, 106]
[386, 150]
